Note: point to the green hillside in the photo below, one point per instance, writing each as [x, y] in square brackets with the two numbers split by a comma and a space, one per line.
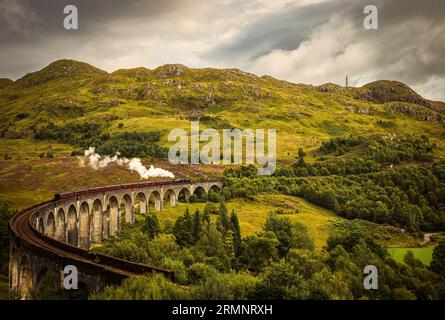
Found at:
[359, 170]
[49, 116]
[68, 92]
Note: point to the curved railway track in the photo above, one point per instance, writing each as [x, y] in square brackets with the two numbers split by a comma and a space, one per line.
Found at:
[99, 269]
[114, 268]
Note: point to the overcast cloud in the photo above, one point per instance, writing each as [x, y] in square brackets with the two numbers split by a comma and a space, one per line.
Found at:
[308, 41]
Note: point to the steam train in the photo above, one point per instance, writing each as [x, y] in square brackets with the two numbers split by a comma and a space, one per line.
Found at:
[71, 194]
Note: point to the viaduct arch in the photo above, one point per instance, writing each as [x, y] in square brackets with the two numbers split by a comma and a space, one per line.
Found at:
[60, 232]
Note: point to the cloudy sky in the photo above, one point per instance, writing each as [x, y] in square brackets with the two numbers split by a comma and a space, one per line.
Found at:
[307, 41]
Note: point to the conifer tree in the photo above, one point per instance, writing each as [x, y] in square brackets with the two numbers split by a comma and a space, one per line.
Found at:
[151, 225]
[234, 225]
[223, 224]
[229, 245]
[222, 207]
[212, 244]
[196, 226]
[301, 155]
[438, 262]
[183, 229]
[206, 218]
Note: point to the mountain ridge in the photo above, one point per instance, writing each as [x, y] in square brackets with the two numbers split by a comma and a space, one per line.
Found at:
[68, 92]
[378, 91]
[64, 68]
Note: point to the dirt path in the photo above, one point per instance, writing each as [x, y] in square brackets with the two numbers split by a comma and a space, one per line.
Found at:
[426, 238]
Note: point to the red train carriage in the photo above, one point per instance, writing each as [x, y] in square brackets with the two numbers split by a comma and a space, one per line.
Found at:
[71, 194]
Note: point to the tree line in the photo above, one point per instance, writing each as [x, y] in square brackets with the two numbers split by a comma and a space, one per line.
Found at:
[409, 198]
[93, 134]
[212, 261]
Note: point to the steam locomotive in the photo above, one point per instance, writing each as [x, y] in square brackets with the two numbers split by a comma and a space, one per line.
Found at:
[71, 194]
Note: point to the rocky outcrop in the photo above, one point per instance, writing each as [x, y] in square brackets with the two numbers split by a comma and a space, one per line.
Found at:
[420, 113]
[61, 69]
[389, 91]
[4, 82]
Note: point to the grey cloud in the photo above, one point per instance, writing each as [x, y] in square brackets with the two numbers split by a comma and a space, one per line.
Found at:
[312, 43]
[32, 33]
[408, 46]
[283, 29]
[94, 15]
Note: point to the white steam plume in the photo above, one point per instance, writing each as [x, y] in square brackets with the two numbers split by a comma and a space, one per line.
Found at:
[96, 161]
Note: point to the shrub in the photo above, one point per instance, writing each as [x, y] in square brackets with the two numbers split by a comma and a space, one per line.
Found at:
[226, 286]
[200, 272]
[91, 134]
[178, 268]
[285, 211]
[77, 152]
[151, 287]
[22, 115]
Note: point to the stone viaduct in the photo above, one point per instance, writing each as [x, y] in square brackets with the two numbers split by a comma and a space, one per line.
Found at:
[61, 232]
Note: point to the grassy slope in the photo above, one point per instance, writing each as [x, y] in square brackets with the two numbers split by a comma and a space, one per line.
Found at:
[252, 214]
[424, 254]
[321, 223]
[168, 97]
[28, 179]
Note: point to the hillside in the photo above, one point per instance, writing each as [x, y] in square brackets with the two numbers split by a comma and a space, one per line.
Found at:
[5, 83]
[51, 115]
[352, 161]
[67, 92]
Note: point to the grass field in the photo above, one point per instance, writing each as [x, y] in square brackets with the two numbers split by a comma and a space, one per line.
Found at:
[30, 179]
[321, 223]
[252, 214]
[424, 254]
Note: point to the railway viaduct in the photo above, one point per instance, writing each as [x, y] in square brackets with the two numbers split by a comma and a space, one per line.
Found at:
[61, 232]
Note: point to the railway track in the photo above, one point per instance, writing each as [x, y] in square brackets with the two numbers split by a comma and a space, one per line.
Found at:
[106, 269]
[116, 268]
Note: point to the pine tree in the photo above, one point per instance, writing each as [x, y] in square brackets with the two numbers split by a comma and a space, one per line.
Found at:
[151, 225]
[234, 225]
[187, 214]
[229, 245]
[188, 227]
[178, 231]
[222, 207]
[183, 229]
[301, 155]
[223, 224]
[206, 218]
[212, 245]
[438, 262]
[196, 226]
